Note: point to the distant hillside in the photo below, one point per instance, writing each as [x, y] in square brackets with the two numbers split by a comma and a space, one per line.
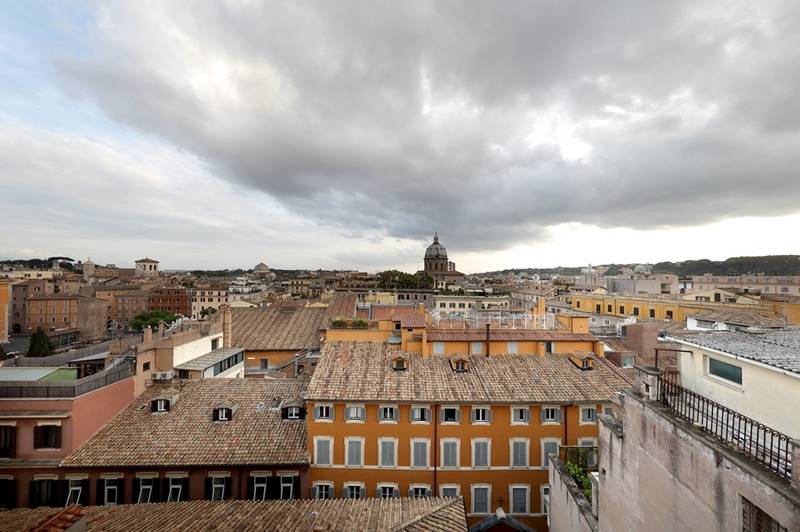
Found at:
[768, 265]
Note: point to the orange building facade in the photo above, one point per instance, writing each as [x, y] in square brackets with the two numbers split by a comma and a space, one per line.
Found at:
[385, 423]
[5, 289]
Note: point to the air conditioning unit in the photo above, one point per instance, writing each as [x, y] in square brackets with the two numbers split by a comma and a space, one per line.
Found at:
[168, 375]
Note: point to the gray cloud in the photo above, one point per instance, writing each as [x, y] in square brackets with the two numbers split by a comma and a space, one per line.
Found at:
[487, 122]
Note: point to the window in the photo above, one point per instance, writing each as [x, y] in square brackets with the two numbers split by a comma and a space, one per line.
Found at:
[223, 414]
[754, 519]
[215, 344]
[591, 456]
[354, 414]
[111, 491]
[386, 491]
[520, 415]
[512, 347]
[519, 452]
[322, 490]
[519, 498]
[47, 437]
[480, 452]
[450, 453]
[459, 365]
[175, 492]
[635, 311]
[476, 348]
[548, 347]
[287, 487]
[8, 442]
[725, 371]
[551, 414]
[259, 488]
[146, 366]
[549, 446]
[74, 491]
[354, 491]
[652, 315]
[183, 374]
[420, 414]
[451, 414]
[387, 452]
[480, 499]
[669, 315]
[588, 415]
[438, 348]
[160, 405]
[545, 496]
[293, 412]
[609, 309]
[323, 412]
[622, 309]
[217, 488]
[263, 363]
[355, 452]
[419, 490]
[449, 490]
[627, 361]
[388, 414]
[145, 490]
[481, 414]
[577, 304]
[419, 453]
[323, 447]
[597, 309]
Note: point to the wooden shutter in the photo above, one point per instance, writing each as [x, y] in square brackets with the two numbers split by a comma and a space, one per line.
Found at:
[215, 414]
[135, 485]
[34, 492]
[302, 412]
[100, 493]
[84, 498]
[273, 487]
[120, 490]
[164, 490]
[251, 488]
[228, 488]
[296, 487]
[57, 436]
[208, 482]
[284, 413]
[37, 438]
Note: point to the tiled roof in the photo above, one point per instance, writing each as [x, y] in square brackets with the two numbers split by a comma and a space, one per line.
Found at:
[343, 305]
[412, 320]
[186, 435]
[209, 359]
[780, 348]
[352, 371]
[510, 335]
[425, 514]
[616, 345]
[277, 327]
[740, 317]
[390, 312]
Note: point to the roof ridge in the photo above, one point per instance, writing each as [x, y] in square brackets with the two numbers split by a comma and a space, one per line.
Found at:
[418, 518]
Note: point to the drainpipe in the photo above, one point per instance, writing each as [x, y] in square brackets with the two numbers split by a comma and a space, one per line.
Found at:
[226, 326]
[435, 420]
[566, 433]
[487, 335]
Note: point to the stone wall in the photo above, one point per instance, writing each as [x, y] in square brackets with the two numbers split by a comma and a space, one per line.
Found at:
[658, 473]
[569, 509]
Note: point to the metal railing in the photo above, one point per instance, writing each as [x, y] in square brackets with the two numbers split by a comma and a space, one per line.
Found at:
[66, 389]
[767, 446]
[63, 359]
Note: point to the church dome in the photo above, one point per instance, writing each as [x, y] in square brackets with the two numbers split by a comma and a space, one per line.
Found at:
[261, 267]
[436, 250]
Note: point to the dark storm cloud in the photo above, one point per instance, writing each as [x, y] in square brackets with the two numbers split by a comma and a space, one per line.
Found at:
[484, 121]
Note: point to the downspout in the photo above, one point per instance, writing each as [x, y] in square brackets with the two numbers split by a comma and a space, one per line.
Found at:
[566, 432]
[487, 335]
[435, 450]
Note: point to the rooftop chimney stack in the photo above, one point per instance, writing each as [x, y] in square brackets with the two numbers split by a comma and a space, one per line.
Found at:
[226, 326]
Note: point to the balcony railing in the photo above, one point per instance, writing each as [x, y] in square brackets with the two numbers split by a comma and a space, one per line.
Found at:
[767, 446]
[66, 389]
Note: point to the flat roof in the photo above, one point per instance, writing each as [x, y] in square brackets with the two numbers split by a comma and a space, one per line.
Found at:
[89, 358]
[25, 374]
[209, 359]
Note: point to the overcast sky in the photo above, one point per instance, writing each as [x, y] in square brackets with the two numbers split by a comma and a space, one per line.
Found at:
[343, 134]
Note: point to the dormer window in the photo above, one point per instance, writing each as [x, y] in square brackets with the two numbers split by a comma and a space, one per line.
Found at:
[459, 365]
[223, 414]
[293, 412]
[399, 364]
[586, 363]
[160, 405]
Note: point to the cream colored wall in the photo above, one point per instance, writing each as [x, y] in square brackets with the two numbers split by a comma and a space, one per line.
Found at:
[191, 350]
[765, 395]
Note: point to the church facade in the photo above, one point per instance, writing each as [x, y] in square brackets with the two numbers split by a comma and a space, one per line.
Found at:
[437, 265]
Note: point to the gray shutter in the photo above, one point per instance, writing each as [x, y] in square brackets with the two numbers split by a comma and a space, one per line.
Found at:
[526, 415]
[316, 413]
[387, 453]
[314, 489]
[458, 415]
[489, 414]
[518, 454]
[324, 452]
[362, 492]
[558, 414]
[541, 414]
[395, 492]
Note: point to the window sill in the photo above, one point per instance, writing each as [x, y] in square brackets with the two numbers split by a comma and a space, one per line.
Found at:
[422, 423]
[723, 382]
[358, 422]
[485, 423]
[551, 423]
[519, 424]
[587, 423]
[387, 422]
[323, 421]
[48, 449]
[450, 423]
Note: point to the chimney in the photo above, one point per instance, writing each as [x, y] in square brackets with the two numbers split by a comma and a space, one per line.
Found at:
[488, 325]
[147, 335]
[226, 326]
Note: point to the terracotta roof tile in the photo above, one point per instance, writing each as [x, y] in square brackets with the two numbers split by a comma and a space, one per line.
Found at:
[509, 335]
[342, 305]
[186, 435]
[351, 371]
[345, 515]
[277, 327]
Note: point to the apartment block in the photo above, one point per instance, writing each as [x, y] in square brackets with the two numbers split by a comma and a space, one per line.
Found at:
[383, 423]
[67, 312]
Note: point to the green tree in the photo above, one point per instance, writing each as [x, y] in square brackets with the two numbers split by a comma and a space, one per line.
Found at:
[151, 319]
[207, 311]
[40, 344]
